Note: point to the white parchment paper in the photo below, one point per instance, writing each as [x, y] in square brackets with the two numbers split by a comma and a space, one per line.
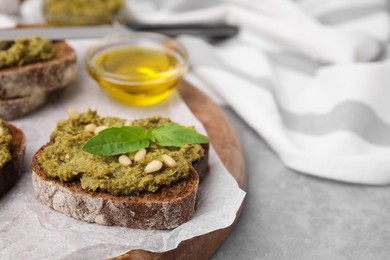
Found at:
[31, 230]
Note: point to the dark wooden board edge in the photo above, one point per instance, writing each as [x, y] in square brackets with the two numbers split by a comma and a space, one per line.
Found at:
[226, 142]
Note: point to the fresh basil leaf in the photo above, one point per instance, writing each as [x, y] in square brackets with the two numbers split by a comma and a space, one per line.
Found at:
[117, 140]
[150, 136]
[176, 135]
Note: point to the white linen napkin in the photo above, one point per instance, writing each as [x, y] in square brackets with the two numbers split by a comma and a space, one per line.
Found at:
[305, 75]
[277, 20]
[7, 21]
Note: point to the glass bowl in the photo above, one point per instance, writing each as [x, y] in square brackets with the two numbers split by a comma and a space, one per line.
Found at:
[76, 13]
[138, 69]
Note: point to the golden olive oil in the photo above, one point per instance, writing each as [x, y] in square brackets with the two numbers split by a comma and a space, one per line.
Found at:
[138, 76]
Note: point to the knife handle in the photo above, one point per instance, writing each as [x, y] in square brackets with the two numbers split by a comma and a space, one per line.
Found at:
[217, 31]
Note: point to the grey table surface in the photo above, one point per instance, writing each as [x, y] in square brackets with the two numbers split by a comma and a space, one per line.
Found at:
[290, 215]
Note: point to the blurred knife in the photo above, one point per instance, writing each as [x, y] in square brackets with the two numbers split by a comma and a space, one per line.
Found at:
[79, 32]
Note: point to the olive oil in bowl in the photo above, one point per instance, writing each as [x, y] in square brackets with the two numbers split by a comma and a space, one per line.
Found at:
[138, 74]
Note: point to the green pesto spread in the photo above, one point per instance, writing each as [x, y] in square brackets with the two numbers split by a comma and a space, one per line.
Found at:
[81, 12]
[5, 145]
[65, 160]
[26, 51]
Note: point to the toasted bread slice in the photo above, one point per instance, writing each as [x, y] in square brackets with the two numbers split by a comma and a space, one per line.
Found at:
[10, 173]
[17, 107]
[166, 209]
[25, 88]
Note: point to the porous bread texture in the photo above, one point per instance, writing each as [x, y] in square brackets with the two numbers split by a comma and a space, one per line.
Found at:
[25, 88]
[17, 107]
[165, 209]
[12, 170]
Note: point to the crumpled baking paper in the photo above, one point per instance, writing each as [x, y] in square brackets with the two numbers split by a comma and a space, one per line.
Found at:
[31, 230]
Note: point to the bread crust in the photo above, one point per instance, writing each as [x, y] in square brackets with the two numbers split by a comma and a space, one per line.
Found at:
[165, 209]
[25, 88]
[12, 170]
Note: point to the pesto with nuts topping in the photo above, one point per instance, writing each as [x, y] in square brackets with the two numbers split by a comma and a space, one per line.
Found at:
[5, 144]
[81, 12]
[83, 7]
[26, 51]
[65, 160]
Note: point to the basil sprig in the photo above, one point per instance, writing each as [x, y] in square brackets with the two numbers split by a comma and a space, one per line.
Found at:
[126, 139]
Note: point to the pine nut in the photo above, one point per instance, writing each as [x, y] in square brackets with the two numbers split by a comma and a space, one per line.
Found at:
[98, 129]
[169, 161]
[124, 160]
[128, 123]
[1, 131]
[153, 166]
[73, 114]
[90, 128]
[140, 155]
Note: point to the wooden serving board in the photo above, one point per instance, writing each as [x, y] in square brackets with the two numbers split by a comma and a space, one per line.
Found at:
[227, 144]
